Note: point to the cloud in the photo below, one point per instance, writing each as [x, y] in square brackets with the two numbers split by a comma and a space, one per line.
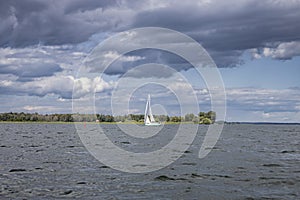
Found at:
[62, 86]
[223, 28]
[150, 70]
[26, 71]
[244, 104]
[226, 31]
[114, 55]
[137, 58]
[42, 44]
[264, 100]
[283, 51]
[84, 86]
[38, 108]
[25, 64]
[142, 46]
[80, 6]
[227, 58]
[54, 23]
[100, 61]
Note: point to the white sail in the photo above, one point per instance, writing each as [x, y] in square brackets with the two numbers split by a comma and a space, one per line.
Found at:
[147, 120]
[150, 110]
[148, 117]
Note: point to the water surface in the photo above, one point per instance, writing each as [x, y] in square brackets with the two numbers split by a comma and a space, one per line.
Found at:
[48, 161]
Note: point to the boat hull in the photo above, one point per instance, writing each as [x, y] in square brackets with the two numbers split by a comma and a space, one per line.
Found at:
[152, 124]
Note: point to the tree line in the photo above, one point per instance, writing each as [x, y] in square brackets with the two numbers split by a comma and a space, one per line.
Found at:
[201, 118]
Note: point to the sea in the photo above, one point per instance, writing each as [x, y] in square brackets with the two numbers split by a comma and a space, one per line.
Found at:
[249, 161]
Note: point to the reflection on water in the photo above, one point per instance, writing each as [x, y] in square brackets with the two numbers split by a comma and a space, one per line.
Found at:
[39, 161]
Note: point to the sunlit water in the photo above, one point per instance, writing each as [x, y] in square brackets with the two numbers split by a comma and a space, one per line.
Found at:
[48, 161]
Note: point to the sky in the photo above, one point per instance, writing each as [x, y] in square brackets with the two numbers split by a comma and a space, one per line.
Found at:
[255, 45]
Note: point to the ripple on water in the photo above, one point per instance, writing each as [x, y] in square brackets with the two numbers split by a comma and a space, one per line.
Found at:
[249, 161]
[17, 170]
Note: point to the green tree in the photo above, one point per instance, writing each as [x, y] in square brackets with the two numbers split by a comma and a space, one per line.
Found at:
[196, 119]
[206, 121]
[175, 119]
[202, 114]
[189, 117]
[212, 116]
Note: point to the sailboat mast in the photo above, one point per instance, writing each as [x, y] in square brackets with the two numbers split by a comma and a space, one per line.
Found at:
[146, 110]
[150, 110]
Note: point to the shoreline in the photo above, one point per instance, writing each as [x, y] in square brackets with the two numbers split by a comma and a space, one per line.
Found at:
[45, 122]
[141, 123]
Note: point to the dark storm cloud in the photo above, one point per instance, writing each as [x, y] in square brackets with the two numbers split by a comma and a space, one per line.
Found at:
[230, 27]
[23, 7]
[225, 28]
[29, 22]
[227, 58]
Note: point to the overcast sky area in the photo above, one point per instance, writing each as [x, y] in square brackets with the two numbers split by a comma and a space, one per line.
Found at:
[255, 44]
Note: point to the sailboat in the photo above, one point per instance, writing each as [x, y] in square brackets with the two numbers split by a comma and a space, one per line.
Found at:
[148, 117]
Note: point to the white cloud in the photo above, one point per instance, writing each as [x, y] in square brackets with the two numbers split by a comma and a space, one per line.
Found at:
[59, 85]
[112, 55]
[285, 50]
[6, 83]
[84, 86]
[39, 61]
[257, 104]
[281, 116]
[38, 108]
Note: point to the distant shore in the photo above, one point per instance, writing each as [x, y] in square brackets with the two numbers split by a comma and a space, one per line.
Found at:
[201, 118]
[45, 122]
[141, 123]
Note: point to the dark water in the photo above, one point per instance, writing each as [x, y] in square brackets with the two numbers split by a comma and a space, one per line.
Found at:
[48, 161]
